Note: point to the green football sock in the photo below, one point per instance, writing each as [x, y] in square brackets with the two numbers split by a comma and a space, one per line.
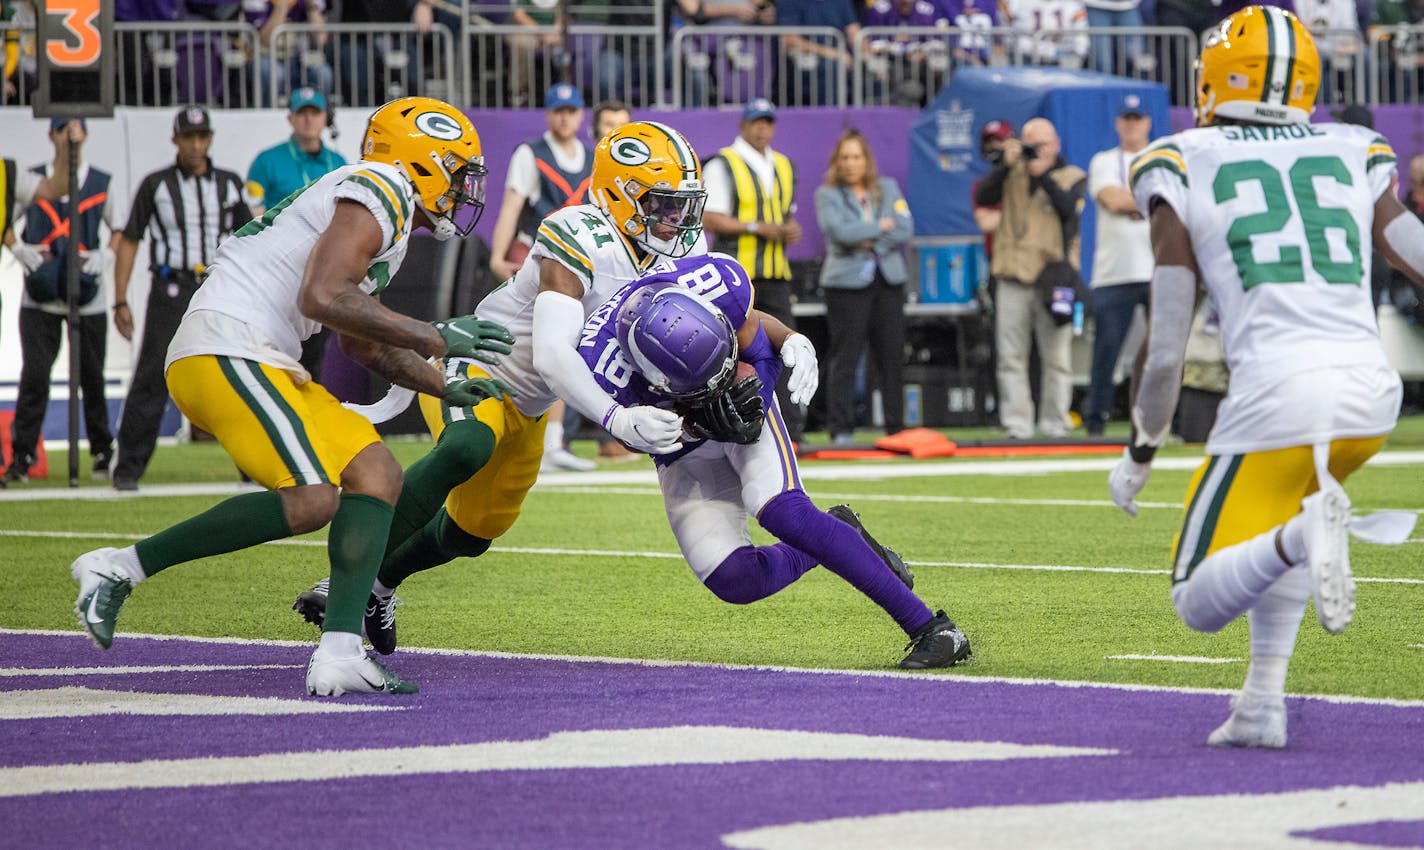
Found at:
[439, 542]
[228, 526]
[355, 540]
[462, 450]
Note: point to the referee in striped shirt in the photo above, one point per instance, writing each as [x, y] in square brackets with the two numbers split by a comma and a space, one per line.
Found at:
[185, 209]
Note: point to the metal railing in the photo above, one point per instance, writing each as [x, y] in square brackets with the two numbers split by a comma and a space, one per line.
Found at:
[479, 58]
[362, 64]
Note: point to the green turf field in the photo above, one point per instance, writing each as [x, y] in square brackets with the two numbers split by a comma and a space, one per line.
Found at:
[591, 569]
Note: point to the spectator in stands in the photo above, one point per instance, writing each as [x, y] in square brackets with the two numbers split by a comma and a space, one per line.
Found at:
[545, 174]
[975, 18]
[1122, 258]
[608, 115]
[1335, 25]
[292, 165]
[526, 47]
[1050, 30]
[911, 66]
[1132, 55]
[751, 213]
[1400, 74]
[814, 70]
[44, 311]
[185, 209]
[1041, 196]
[866, 223]
[296, 61]
[376, 67]
[697, 62]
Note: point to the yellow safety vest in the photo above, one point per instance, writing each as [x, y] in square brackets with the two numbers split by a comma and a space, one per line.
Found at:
[762, 258]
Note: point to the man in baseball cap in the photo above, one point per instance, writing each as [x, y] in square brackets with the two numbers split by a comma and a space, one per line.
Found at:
[192, 119]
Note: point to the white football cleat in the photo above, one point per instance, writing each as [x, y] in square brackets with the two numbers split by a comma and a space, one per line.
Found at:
[1327, 546]
[332, 676]
[567, 460]
[1254, 722]
[103, 587]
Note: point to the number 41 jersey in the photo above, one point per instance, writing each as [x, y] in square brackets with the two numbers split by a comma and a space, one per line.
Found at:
[1281, 222]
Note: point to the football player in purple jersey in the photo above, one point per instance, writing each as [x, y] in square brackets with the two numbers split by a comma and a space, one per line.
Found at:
[674, 338]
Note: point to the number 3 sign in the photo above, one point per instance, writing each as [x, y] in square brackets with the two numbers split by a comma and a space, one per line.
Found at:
[76, 61]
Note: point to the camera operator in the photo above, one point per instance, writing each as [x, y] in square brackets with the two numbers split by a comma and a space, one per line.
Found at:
[1034, 266]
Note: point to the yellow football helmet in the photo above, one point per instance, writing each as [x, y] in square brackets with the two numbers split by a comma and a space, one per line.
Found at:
[647, 178]
[1260, 66]
[437, 147]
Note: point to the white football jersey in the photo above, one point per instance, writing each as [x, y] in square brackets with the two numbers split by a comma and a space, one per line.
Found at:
[1281, 222]
[257, 274]
[586, 242]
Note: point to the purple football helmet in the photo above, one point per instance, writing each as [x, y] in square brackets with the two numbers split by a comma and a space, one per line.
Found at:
[681, 343]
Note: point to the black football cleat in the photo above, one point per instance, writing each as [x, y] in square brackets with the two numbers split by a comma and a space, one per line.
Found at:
[311, 604]
[378, 624]
[891, 558]
[938, 643]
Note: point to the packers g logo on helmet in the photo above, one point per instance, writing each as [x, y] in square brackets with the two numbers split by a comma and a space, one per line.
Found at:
[630, 152]
[439, 125]
[1259, 65]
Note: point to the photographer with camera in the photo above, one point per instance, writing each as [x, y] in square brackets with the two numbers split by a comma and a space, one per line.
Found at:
[1035, 274]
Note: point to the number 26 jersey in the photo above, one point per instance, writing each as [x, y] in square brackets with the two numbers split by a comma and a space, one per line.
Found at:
[1281, 220]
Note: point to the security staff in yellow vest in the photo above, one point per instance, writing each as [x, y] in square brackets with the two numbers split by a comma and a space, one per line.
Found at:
[751, 213]
[1041, 198]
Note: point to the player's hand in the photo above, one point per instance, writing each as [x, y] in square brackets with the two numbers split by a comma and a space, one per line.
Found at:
[468, 392]
[98, 261]
[123, 321]
[30, 256]
[799, 355]
[646, 429]
[1127, 480]
[471, 336]
[735, 416]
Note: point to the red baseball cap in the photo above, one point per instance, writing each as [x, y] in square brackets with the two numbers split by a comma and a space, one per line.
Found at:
[996, 129]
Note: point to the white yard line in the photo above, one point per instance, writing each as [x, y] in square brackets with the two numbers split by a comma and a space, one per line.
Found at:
[1175, 659]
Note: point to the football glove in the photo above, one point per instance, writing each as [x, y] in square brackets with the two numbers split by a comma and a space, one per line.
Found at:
[735, 416]
[798, 355]
[468, 392]
[645, 428]
[1127, 480]
[473, 337]
[98, 261]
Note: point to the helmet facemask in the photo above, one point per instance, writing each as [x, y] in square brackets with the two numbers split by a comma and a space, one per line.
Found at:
[460, 207]
[668, 221]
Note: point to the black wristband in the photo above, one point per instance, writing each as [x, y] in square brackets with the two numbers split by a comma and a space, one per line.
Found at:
[121, 304]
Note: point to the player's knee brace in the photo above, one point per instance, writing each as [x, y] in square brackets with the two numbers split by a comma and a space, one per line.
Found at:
[455, 542]
[466, 445]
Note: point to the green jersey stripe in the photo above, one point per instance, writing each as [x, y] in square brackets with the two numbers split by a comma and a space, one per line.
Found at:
[1163, 163]
[559, 253]
[396, 222]
[1380, 159]
[396, 189]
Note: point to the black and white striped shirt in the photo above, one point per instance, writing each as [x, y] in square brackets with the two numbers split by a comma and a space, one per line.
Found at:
[186, 216]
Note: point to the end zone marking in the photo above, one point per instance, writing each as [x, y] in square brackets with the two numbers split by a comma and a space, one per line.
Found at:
[1178, 659]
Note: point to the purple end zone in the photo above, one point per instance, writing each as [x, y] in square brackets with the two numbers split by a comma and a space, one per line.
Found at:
[1159, 739]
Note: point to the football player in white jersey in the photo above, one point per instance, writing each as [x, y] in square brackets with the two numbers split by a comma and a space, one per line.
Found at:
[1275, 217]
[316, 259]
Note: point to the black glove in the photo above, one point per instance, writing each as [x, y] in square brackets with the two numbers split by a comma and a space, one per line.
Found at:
[468, 392]
[735, 416]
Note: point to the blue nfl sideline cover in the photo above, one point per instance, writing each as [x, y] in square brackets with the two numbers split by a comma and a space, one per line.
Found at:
[944, 141]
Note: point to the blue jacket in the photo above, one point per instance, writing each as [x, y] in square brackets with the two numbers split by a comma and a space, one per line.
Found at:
[839, 216]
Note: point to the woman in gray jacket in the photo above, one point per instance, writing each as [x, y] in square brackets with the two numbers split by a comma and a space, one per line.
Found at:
[866, 223]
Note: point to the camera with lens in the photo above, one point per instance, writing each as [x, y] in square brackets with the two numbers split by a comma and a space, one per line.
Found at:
[1029, 152]
[994, 157]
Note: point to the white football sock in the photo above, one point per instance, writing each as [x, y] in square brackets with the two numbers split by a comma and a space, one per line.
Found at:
[1226, 584]
[553, 436]
[1266, 677]
[340, 645]
[127, 558]
[381, 590]
[1275, 618]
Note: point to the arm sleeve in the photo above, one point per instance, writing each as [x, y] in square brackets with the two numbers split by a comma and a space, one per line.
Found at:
[1173, 293]
[558, 320]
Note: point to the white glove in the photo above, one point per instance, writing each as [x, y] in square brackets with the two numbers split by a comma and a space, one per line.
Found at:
[798, 355]
[30, 256]
[1127, 480]
[98, 261]
[646, 428]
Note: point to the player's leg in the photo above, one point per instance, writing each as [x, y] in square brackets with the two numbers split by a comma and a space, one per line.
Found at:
[261, 418]
[771, 487]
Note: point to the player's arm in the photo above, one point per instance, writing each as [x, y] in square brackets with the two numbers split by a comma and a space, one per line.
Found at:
[796, 353]
[1399, 235]
[1157, 373]
[330, 293]
[401, 366]
[558, 321]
